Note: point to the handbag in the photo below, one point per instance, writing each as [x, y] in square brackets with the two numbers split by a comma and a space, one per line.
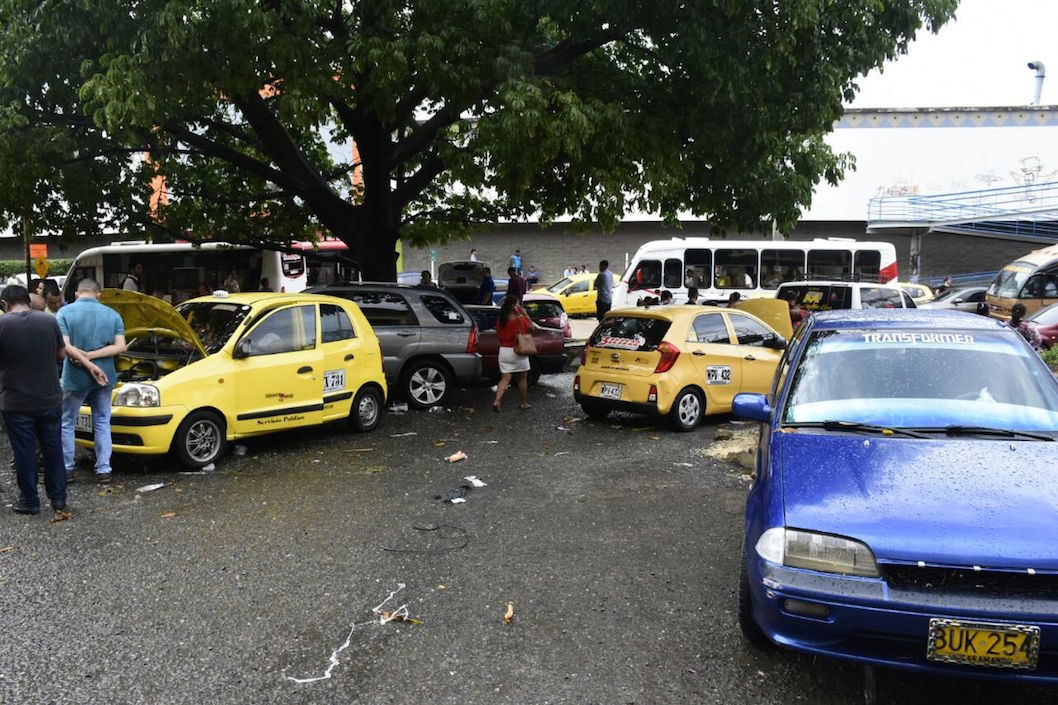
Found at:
[524, 344]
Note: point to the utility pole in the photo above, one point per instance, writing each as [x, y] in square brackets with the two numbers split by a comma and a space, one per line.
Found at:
[25, 239]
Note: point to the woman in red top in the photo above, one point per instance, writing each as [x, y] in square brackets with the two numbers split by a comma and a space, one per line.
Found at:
[511, 322]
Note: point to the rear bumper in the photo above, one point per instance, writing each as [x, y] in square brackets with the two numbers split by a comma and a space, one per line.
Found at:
[613, 405]
[466, 367]
[870, 623]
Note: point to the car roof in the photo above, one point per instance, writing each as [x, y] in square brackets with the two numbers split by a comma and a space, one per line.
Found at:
[837, 282]
[904, 318]
[670, 311]
[251, 297]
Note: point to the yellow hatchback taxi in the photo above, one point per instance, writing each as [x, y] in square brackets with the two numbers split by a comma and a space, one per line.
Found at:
[219, 368]
[577, 293]
[682, 362]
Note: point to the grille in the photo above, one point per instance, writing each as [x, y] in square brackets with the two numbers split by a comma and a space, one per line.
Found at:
[983, 582]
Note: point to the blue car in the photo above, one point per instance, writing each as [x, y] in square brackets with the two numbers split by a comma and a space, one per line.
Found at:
[904, 510]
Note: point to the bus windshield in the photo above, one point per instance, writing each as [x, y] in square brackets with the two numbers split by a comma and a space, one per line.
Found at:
[1010, 279]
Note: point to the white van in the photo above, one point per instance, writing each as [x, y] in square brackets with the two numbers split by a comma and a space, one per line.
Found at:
[826, 295]
[753, 268]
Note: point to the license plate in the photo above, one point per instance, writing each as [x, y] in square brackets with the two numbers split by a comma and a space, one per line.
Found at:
[983, 644]
[84, 423]
[611, 391]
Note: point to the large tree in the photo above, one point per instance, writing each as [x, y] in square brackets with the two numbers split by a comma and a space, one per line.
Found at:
[462, 112]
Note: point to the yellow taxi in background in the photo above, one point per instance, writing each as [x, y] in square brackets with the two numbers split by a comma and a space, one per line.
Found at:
[219, 368]
[919, 293]
[577, 293]
[678, 361]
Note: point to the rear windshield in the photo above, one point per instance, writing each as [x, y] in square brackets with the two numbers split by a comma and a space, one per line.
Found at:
[643, 334]
[543, 309]
[381, 308]
[818, 298]
[923, 378]
[443, 310]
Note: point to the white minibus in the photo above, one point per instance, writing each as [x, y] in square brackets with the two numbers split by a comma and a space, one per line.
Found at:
[753, 268]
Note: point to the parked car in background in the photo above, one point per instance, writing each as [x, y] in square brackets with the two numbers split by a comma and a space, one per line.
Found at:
[219, 368]
[682, 362]
[1046, 322]
[547, 311]
[920, 293]
[550, 357]
[961, 299]
[576, 293]
[429, 341]
[903, 507]
[826, 295]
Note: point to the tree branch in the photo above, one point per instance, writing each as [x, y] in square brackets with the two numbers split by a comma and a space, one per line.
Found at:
[412, 186]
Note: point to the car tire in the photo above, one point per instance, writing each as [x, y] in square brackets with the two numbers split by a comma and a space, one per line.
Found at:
[426, 383]
[688, 410]
[366, 411]
[200, 439]
[749, 627]
[595, 410]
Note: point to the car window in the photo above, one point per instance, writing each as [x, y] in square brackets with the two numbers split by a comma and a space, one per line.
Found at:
[577, 288]
[382, 308]
[485, 318]
[736, 269]
[709, 328]
[826, 264]
[630, 333]
[543, 309]
[647, 274]
[868, 265]
[975, 297]
[812, 297]
[673, 274]
[278, 332]
[559, 285]
[749, 331]
[876, 297]
[908, 301]
[443, 310]
[922, 378]
[335, 324]
[778, 266]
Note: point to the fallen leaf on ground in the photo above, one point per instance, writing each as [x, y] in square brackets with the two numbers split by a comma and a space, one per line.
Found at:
[439, 444]
[655, 438]
[388, 616]
[168, 515]
[61, 515]
[108, 490]
[509, 616]
[362, 450]
[644, 428]
[7, 549]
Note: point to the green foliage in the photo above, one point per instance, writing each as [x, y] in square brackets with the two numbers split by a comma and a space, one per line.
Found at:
[463, 111]
[11, 267]
[1050, 356]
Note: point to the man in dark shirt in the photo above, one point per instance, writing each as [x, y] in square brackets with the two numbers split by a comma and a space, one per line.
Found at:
[515, 285]
[30, 397]
[487, 288]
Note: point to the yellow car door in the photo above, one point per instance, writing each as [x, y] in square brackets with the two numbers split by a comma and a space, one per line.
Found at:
[278, 372]
[758, 360]
[343, 371]
[577, 299]
[717, 363]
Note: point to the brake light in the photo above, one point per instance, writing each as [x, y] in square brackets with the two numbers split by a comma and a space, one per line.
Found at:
[472, 344]
[576, 383]
[584, 355]
[669, 353]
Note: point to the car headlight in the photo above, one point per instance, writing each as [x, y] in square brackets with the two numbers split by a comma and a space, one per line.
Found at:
[813, 551]
[138, 395]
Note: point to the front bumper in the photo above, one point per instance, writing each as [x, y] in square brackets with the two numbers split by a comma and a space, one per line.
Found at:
[871, 623]
[138, 431]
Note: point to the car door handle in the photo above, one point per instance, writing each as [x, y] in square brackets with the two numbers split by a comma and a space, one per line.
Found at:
[749, 357]
[699, 353]
[349, 357]
[304, 370]
[405, 334]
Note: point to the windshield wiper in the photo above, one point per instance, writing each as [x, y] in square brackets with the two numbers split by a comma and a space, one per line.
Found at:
[857, 427]
[990, 431]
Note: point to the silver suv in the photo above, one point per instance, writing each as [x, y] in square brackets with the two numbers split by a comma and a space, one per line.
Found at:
[429, 341]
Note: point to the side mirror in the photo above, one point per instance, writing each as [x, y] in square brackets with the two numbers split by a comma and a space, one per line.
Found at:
[775, 343]
[957, 301]
[242, 349]
[752, 407]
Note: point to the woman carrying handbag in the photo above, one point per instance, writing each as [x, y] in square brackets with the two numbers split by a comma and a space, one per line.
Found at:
[514, 329]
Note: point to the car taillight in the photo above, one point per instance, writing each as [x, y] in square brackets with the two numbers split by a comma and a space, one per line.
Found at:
[669, 353]
[472, 344]
[576, 383]
[584, 355]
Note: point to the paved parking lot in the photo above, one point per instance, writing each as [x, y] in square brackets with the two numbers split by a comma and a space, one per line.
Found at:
[616, 543]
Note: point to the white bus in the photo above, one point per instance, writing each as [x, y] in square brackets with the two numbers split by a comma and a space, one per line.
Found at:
[180, 271]
[751, 267]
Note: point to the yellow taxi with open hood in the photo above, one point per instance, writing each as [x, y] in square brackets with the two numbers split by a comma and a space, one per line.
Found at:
[223, 367]
[680, 362]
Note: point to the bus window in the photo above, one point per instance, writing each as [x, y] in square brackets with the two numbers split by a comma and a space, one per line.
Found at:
[699, 264]
[736, 269]
[868, 265]
[829, 264]
[673, 274]
[778, 266]
[647, 275]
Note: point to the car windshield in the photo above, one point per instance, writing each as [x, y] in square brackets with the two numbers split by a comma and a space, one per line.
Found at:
[1010, 279]
[630, 333]
[1045, 316]
[923, 379]
[951, 294]
[560, 285]
[214, 322]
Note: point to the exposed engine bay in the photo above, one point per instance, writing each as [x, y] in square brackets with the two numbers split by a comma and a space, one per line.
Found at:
[152, 356]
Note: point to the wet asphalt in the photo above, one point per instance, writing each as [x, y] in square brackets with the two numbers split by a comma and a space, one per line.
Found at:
[616, 542]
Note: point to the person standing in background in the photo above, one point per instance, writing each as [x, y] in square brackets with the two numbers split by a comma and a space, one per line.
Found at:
[231, 283]
[487, 288]
[52, 297]
[473, 255]
[134, 279]
[516, 286]
[516, 260]
[532, 277]
[604, 290]
[98, 332]
[31, 399]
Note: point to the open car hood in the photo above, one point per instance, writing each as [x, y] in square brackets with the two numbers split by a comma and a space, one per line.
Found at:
[774, 312]
[145, 315]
